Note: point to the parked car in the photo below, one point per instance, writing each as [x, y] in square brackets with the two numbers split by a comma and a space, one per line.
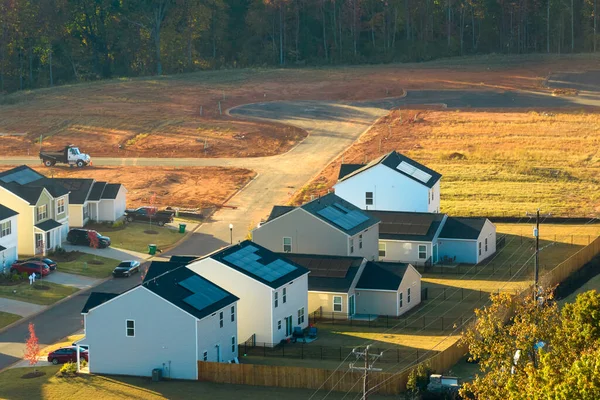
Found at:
[51, 264]
[151, 214]
[67, 354]
[126, 268]
[82, 237]
[30, 267]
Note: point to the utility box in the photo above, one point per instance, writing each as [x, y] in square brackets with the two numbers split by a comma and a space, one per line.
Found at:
[156, 374]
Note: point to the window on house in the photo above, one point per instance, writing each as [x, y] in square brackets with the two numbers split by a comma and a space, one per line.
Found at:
[205, 356]
[233, 344]
[60, 206]
[6, 229]
[360, 241]
[130, 327]
[232, 313]
[429, 199]
[301, 316]
[284, 295]
[287, 244]
[337, 303]
[42, 213]
[408, 296]
[221, 319]
[422, 251]
[486, 245]
[351, 246]
[432, 192]
[400, 302]
[276, 299]
[381, 249]
[279, 325]
[369, 198]
[479, 248]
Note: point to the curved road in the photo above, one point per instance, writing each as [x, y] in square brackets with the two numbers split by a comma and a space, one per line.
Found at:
[332, 127]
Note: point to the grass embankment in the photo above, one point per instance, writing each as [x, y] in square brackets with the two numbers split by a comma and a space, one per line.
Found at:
[50, 387]
[44, 293]
[494, 163]
[136, 236]
[8, 318]
[86, 264]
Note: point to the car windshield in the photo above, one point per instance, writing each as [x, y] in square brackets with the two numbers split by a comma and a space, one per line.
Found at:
[75, 150]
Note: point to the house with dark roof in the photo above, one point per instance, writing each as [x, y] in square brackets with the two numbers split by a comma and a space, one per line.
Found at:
[8, 238]
[392, 182]
[328, 225]
[43, 208]
[432, 238]
[96, 201]
[388, 289]
[170, 322]
[273, 290]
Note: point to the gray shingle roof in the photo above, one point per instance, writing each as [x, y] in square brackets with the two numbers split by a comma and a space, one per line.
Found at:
[400, 225]
[97, 298]
[278, 211]
[346, 169]
[382, 276]
[316, 263]
[392, 160]
[79, 188]
[317, 205]
[96, 192]
[28, 184]
[48, 225]
[6, 212]
[111, 190]
[462, 228]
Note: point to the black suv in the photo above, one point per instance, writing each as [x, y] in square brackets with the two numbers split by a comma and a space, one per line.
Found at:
[83, 237]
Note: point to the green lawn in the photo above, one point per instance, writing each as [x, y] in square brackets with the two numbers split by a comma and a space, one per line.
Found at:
[87, 264]
[25, 292]
[592, 284]
[50, 387]
[134, 236]
[8, 318]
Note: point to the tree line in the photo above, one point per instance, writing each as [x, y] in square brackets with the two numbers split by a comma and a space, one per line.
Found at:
[49, 42]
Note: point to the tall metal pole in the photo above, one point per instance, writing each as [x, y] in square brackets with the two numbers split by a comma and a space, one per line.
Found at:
[537, 254]
[366, 377]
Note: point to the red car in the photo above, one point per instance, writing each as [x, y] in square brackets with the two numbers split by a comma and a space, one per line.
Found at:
[30, 267]
[67, 354]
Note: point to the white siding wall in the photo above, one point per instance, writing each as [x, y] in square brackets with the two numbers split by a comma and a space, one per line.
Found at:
[163, 334]
[211, 335]
[10, 242]
[434, 206]
[412, 280]
[296, 298]
[403, 251]
[106, 210]
[370, 244]
[254, 307]
[489, 232]
[392, 191]
[376, 302]
[76, 215]
[120, 203]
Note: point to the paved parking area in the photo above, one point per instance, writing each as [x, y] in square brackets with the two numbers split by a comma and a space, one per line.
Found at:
[78, 281]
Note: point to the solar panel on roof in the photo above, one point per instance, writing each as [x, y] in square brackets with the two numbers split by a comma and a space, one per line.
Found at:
[341, 207]
[21, 177]
[414, 172]
[204, 293]
[347, 220]
[248, 260]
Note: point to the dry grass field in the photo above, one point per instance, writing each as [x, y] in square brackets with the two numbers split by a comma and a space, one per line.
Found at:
[189, 187]
[160, 116]
[494, 163]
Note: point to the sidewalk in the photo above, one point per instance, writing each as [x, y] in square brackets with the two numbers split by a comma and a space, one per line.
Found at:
[110, 252]
[78, 281]
[21, 308]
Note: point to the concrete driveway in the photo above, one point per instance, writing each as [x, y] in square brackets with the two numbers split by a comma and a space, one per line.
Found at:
[110, 252]
[78, 281]
[21, 308]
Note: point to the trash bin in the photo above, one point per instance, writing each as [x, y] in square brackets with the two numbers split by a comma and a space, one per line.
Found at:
[156, 374]
[182, 228]
[152, 249]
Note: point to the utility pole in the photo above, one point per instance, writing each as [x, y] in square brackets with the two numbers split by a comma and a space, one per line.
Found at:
[536, 234]
[368, 367]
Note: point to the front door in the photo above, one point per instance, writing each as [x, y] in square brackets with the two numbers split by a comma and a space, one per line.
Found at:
[351, 306]
[48, 246]
[39, 243]
[288, 326]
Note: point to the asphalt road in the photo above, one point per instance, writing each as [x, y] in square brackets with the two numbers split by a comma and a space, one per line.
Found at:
[332, 127]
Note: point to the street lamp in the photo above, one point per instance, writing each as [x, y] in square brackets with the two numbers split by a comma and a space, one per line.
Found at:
[231, 233]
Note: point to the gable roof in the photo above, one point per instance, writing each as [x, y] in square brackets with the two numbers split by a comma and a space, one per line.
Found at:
[328, 273]
[183, 259]
[110, 191]
[338, 212]
[401, 225]
[6, 212]
[190, 292]
[29, 194]
[21, 175]
[48, 225]
[346, 169]
[96, 192]
[462, 228]
[157, 268]
[259, 263]
[95, 299]
[382, 276]
[79, 188]
[393, 160]
[28, 184]
[278, 211]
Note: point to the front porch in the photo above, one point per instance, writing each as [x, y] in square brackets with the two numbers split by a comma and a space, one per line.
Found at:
[47, 237]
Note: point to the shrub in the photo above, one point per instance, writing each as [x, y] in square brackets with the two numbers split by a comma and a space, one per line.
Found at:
[24, 276]
[15, 277]
[118, 224]
[68, 370]
[59, 251]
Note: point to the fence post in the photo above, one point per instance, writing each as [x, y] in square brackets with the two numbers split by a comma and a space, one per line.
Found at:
[444, 293]
[302, 351]
[245, 348]
[283, 349]
[462, 293]
[423, 317]
[386, 321]
[479, 294]
[417, 355]
[264, 349]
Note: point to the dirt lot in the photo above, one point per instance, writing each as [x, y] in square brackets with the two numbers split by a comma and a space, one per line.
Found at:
[493, 162]
[160, 116]
[188, 187]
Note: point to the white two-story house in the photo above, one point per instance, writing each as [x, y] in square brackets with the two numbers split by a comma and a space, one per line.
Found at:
[8, 237]
[43, 208]
[273, 291]
[392, 182]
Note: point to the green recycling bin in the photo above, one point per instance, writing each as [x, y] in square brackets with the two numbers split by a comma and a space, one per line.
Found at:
[152, 249]
[182, 228]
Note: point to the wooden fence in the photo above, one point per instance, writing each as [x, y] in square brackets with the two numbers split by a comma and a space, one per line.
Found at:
[571, 264]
